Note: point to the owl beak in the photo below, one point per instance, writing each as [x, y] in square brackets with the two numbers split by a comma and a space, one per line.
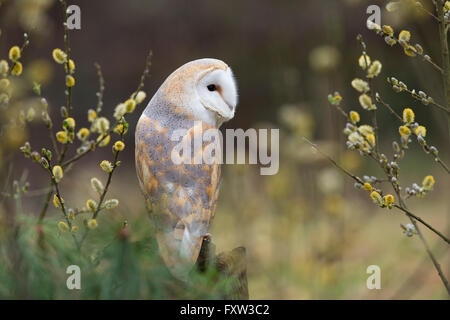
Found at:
[225, 111]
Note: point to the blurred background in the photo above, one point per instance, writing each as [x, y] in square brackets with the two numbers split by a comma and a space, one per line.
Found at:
[309, 233]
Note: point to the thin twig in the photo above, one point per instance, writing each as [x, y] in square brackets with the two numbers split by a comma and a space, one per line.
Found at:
[63, 208]
[389, 108]
[425, 243]
[358, 180]
[431, 102]
[45, 204]
[68, 52]
[429, 13]
[433, 64]
[344, 114]
[145, 73]
[411, 215]
[53, 140]
[445, 56]
[413, 280]
[101, 89]
[7, 182]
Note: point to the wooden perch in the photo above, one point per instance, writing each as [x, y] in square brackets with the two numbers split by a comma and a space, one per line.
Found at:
[229, 283]
[231, 265]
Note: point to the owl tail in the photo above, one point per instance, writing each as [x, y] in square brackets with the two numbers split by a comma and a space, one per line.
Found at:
[179, 250]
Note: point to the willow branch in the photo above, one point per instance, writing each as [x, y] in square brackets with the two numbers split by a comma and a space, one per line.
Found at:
[145, 73]
[435, 157]
[358, 180]
[105, 191]
[63, 208]
[101, 88]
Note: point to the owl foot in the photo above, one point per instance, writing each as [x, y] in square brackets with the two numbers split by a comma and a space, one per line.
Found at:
[207, 237]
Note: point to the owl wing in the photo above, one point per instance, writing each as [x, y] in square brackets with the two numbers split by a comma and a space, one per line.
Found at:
[182, 198]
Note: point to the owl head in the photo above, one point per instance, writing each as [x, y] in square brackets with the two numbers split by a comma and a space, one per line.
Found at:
[204, 89]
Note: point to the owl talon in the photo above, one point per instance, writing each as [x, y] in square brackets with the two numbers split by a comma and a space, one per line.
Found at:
[207, 237]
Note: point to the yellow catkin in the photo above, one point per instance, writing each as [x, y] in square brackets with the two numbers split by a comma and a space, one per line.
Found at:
[389, 200]
[376, 197]
[69, 123]
[14, 53]
[388, 30]
[56, 202]
[97, 186]
[374, 69]
[91, 205]
[106, 166]
[408, 115]
[428, 182]
[404, 35]
[140, 97]
[364, 61]
[360, 85]
[367, 186]
[62, 226]
[130, 105]
[62, 137]
[404, 131]
[71, 66]
[83, 134]
[17, 69]
[354, 117]
[421, 131]
[392, 6]
[59, 56]
[371, 139]
[119, 146]
[111, 204]
[103, 142]
[92, 115]
[58, 173]
[365, 129]
[102, 125]
[366, 102]
[4, 67]
[120, 129]
[4, 84]
[70, 81]
[92, 223]
[410, 51]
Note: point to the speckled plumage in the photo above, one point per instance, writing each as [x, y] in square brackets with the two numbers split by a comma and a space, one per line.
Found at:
[181, 198]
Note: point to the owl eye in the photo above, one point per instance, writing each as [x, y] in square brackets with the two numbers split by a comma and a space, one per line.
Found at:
[211, 87]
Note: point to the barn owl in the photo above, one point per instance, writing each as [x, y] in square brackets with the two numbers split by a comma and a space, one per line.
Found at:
[182, 197]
